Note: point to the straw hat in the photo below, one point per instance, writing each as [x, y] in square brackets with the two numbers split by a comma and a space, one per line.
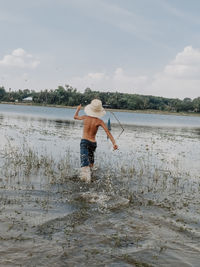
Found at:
[95, 109]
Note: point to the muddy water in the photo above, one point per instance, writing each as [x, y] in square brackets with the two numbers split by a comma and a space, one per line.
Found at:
[141, 209]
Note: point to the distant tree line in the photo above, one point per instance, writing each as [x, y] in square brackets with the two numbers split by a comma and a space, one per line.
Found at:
[69, 96]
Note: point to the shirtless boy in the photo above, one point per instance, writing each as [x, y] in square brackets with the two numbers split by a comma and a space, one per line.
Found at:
[88, 145]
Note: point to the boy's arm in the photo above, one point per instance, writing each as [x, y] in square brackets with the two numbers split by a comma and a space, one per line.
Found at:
[109, 135]
[76, 116]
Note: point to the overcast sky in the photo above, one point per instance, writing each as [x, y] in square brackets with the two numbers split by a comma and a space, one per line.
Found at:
[147, 47]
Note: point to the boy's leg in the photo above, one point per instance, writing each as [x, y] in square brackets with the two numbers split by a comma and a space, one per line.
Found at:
[91, 151]
[85, 169]
[84, 154]
[85, 175]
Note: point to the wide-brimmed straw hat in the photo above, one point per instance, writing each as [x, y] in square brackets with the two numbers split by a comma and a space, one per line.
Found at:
[95, 109]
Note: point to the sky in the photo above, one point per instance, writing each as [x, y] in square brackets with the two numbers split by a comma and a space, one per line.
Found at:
[147, 47]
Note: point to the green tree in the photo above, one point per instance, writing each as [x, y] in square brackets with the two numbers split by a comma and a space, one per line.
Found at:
[196, 104]
[2, 93]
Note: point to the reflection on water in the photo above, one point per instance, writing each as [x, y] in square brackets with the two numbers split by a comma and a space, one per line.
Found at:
[142, 208]
[63, 124]
[1, 117]
[44, 121]
[197, 131]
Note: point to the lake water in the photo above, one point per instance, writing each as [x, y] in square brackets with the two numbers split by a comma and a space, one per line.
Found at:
[141, 208]
[124, 117]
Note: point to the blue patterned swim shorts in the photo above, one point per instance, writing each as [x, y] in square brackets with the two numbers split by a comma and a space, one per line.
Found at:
[87, 149]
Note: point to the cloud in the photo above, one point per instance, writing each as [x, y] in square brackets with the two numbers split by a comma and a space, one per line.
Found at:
[19, 58]
[178, 79]
[116, 81]
[181, 77]
[186, 64]
[98, 76]
[128, 80]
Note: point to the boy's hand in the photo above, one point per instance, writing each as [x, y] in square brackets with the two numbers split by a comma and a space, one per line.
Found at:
[115, 146]
[79, 107]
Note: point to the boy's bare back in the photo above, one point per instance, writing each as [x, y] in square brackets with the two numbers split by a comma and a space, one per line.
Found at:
[90, 128]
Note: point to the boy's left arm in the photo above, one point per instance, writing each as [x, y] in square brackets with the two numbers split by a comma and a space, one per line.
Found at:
[76, 116]
[115, 146]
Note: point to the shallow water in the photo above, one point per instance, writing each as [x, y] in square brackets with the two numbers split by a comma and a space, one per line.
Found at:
[141, 209]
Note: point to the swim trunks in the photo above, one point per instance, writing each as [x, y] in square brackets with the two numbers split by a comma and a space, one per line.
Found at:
[87, 149]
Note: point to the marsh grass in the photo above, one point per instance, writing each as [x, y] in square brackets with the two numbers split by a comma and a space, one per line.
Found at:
[22, 163]
[151, 182]
[142, 179]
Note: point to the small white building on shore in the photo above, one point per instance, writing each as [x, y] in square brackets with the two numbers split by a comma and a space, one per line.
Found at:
[28, 99]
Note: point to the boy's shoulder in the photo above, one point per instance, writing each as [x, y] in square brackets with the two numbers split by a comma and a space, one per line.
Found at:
[92, 118]
[98, 120]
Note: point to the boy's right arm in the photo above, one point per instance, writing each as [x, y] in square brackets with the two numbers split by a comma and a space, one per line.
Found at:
[109, 135]
[76, 116]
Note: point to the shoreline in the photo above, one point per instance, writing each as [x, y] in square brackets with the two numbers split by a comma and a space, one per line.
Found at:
[146, 111]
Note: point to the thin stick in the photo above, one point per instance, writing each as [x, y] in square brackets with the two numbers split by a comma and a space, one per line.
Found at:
[119, 123]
